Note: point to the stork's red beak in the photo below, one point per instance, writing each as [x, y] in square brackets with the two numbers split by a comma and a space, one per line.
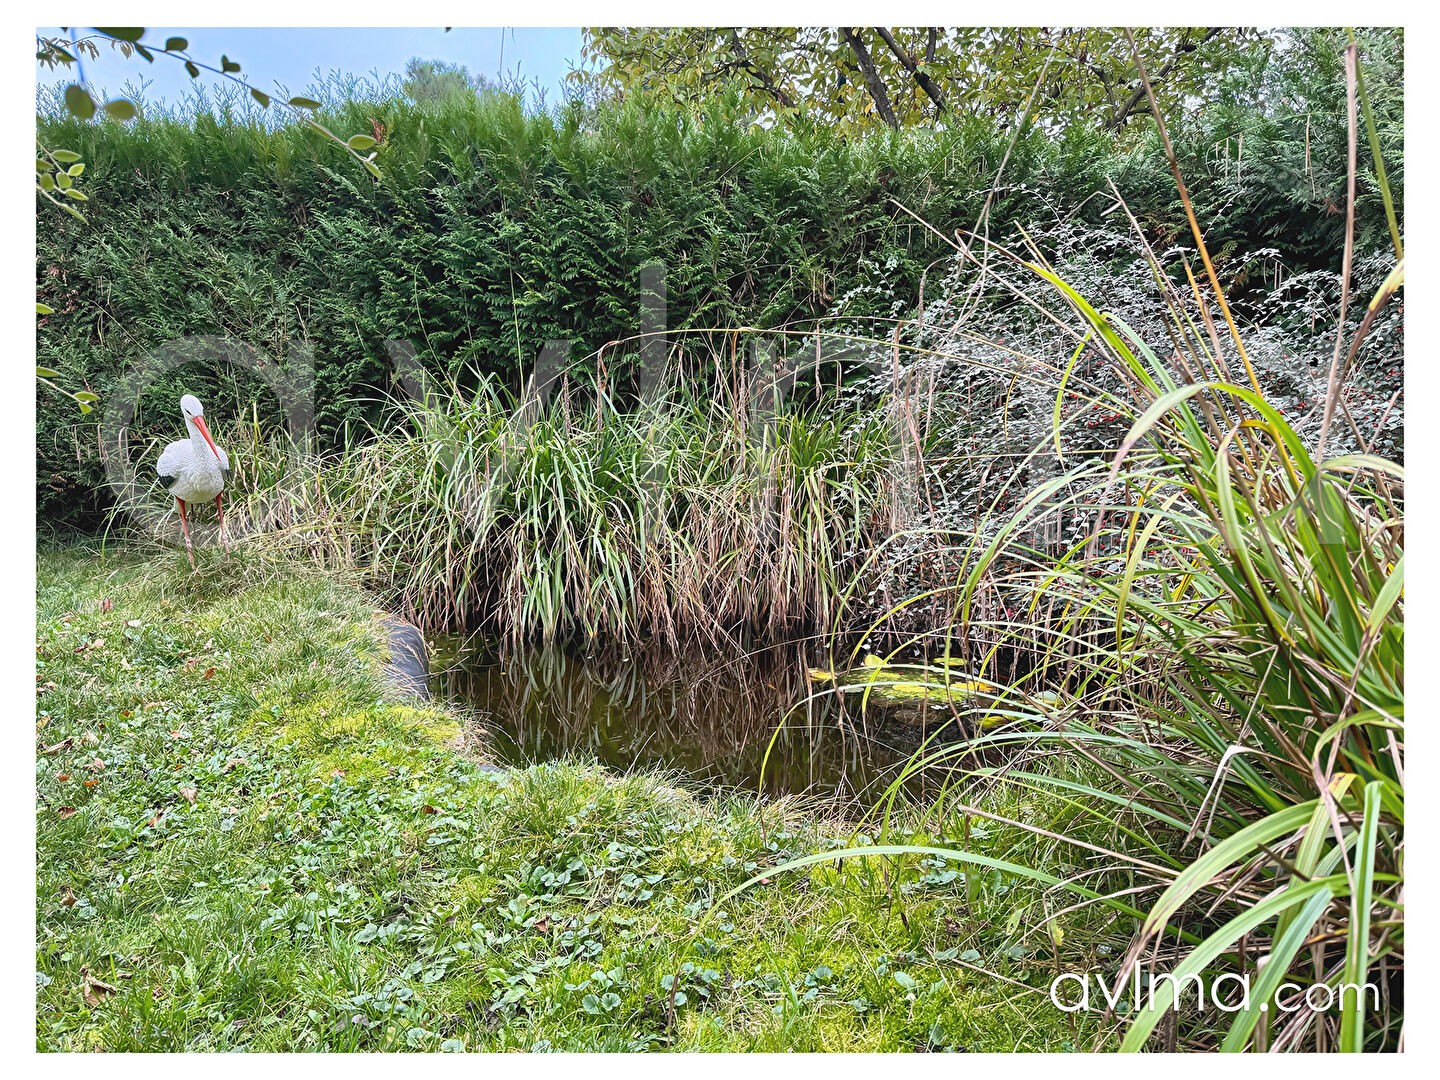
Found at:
[200, 423]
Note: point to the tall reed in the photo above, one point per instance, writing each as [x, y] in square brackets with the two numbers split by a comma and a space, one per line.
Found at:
[696, 516]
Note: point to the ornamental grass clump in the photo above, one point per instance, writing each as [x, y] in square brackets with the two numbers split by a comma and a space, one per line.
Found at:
[1206, 665]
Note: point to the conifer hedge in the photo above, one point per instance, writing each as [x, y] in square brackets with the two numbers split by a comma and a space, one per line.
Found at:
[494, 230]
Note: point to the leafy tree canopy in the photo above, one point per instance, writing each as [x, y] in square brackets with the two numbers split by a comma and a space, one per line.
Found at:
[438, 80]
[861, 76]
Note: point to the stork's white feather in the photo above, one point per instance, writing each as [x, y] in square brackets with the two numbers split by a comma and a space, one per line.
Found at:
[193, 469]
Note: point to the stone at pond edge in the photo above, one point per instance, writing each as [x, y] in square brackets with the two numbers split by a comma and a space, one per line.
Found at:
[409, 666]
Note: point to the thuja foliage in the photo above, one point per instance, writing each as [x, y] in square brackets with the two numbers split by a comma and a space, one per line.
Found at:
[496, 228]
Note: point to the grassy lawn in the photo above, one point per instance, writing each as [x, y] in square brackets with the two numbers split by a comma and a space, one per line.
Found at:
[244, 840]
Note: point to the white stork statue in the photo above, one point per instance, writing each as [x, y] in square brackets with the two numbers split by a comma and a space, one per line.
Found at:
[194, 470]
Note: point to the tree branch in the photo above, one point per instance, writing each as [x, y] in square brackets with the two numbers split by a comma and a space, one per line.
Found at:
[766, 80]
[873, 82]
[1131, 107]
[907, 61]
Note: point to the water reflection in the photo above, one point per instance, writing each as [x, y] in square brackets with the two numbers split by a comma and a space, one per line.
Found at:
[711, 720]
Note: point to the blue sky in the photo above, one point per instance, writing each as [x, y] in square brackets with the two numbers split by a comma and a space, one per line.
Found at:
[290, 55]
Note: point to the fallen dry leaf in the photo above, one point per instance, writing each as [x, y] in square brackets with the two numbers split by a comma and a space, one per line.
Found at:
[93, 990]
[106, 604]
[428, 809]
[68, 899]
[189, 794]
[66, 811]
[64, 776]
[91, 783]
[57, 747]
[234, 761]
[92, 738]
[96, 766]
[209, 673]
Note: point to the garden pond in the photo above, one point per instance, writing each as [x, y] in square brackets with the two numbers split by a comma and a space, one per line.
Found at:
[759, 722]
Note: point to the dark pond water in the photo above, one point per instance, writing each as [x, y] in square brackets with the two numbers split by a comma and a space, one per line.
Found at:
[711, 720]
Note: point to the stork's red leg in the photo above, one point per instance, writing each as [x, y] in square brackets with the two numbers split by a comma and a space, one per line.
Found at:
[185, 527]
[220, 513]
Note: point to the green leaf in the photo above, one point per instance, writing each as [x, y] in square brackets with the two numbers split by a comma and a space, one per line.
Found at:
[46, 182]
[86, 396]
[76, 169]
[85, 408]
[1357, 941]
[44, 309]
[46, 373]
[41, 165]
[1389, 594]
[120, 109]
[79, 102]
[1291, 896]
[1275, 969]
[1240, 845]
[192, 69]
[260, 96]
[64, 156]
[76, 193]
[360, 142]
[304, 103]
[63, 179]
[131, 34]
[227, 65]
[176, 44]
